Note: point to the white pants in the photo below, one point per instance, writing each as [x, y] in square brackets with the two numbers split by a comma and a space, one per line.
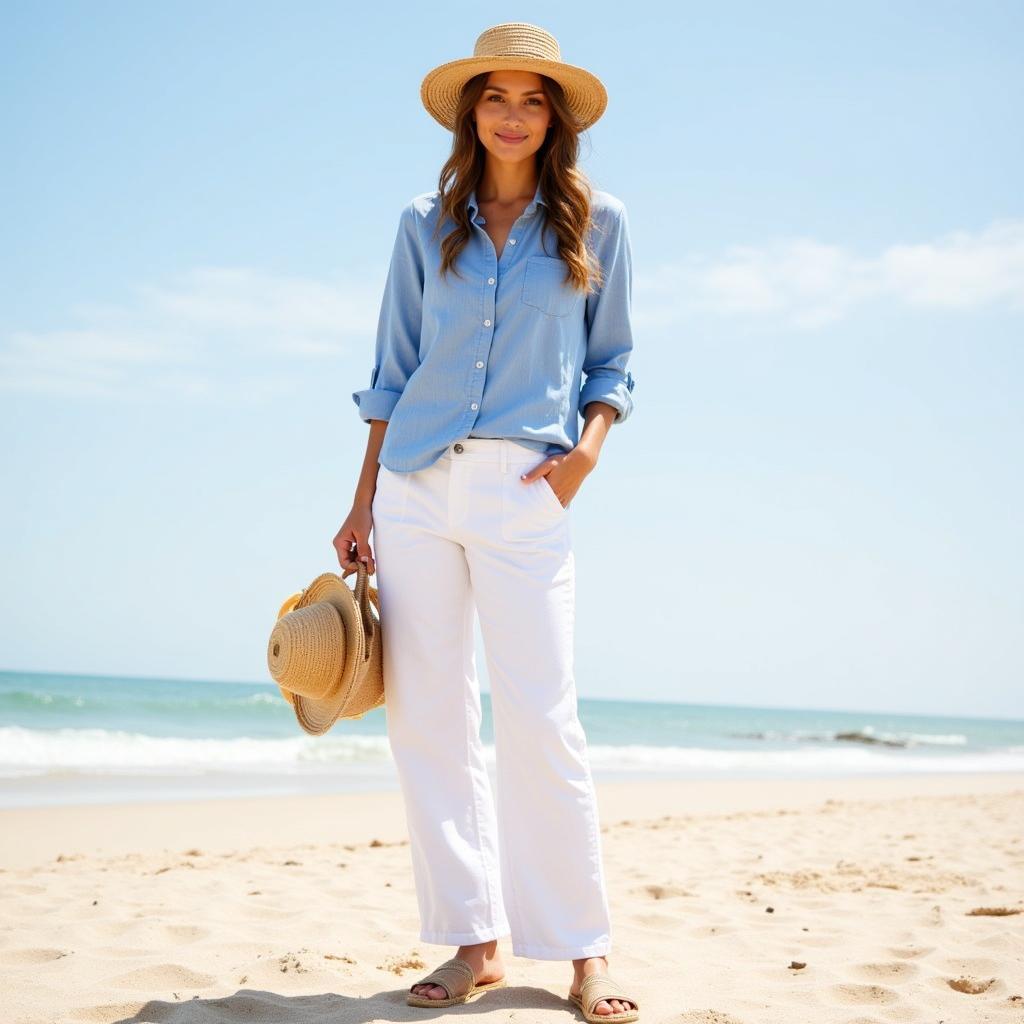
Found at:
[466, 532]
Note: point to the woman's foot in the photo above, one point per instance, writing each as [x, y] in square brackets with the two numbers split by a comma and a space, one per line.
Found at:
[484, 958]
[597, 965]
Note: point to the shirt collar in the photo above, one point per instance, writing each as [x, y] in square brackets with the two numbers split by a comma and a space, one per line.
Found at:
[472, 205]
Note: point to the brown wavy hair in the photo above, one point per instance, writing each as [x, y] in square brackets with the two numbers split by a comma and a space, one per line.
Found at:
[565, 188]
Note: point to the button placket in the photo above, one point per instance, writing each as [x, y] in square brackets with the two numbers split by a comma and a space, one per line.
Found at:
[490, 305]
[488, 337]
[488, 321]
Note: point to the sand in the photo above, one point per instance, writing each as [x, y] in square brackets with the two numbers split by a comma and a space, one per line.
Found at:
[853, 901]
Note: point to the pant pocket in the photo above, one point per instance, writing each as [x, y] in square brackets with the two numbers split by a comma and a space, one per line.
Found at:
[543, 484]
[529, 511]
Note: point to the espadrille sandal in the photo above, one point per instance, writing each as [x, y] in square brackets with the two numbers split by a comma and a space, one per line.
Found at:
[456, 977]
[596, 987]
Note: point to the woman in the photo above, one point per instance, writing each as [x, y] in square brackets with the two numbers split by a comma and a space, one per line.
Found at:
[508, 287]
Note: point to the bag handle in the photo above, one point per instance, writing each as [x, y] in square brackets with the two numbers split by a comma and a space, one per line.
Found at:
[365, 592]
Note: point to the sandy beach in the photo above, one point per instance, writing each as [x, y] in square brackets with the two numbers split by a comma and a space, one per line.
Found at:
[733, 902]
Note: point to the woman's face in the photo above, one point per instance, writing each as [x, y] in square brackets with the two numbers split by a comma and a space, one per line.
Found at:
[513, 114]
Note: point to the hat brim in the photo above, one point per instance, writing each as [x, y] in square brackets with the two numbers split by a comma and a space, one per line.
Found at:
[442, 86]
[317, 716]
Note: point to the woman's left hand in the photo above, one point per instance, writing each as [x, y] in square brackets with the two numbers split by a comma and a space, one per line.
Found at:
[565, 473]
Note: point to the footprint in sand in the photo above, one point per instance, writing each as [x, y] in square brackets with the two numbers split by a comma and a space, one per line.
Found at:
[970, 986]
[657, 920]
[186, 932]
[910, 952]
[665, 892]
[711, 931]
[853, 994]
[1003, 942]
[41, 955]
[122, 952]
[890, 971]
[980, 966]
[163, 976]
[23, 889]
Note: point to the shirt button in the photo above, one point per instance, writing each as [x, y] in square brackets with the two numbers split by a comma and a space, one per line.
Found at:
[474, 406]
[511, 241]
[478, 365]
[490, 280]
[487, 323]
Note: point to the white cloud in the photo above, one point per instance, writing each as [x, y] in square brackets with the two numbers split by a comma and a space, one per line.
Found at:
[208, 331]
[807, 284]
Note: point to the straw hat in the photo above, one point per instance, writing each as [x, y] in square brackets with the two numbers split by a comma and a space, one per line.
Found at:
[325, 652]
[518, 46]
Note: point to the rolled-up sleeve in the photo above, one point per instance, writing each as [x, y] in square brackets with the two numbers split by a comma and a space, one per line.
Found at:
[609, 321]
[396, 353]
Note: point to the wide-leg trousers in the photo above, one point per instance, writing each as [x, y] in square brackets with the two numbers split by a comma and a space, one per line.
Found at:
[466, 535]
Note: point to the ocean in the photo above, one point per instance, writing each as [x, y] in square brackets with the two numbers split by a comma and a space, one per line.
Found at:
[82, 739]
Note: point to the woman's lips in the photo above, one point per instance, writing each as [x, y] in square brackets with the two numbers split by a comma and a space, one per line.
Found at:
[510, 138]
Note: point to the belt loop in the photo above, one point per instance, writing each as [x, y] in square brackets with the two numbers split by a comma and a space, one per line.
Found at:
[504, 455]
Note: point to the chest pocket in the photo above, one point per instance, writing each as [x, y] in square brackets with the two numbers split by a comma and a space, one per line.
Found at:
[545, 287]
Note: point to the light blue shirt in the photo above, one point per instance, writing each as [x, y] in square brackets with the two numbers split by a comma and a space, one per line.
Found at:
[503, 350]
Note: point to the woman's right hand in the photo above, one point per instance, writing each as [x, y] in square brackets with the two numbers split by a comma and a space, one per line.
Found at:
[352, 542]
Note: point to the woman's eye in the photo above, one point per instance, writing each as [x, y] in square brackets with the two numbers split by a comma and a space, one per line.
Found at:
[533, 99]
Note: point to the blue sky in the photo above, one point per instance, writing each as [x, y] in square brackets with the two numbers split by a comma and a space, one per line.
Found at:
[817, 501]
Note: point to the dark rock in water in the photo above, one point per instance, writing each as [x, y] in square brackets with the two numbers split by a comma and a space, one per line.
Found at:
[863, 737]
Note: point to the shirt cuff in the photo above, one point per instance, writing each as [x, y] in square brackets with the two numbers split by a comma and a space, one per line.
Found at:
[376, 403]
[612, 387]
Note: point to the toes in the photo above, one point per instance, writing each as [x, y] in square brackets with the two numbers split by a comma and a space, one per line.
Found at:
[428, 990]
[615, 1006]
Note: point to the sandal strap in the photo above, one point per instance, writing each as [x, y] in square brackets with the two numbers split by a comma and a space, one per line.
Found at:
[455, 976]
[596, 987]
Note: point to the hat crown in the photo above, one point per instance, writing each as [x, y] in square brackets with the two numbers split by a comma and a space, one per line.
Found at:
[517, 39]
[307, 650]
[325, 651]
[515, 46]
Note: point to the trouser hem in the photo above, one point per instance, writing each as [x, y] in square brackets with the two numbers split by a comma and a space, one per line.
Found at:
[464, 938]
[562, 953]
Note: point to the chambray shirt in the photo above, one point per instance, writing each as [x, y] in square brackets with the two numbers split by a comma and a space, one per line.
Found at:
[509, 350]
